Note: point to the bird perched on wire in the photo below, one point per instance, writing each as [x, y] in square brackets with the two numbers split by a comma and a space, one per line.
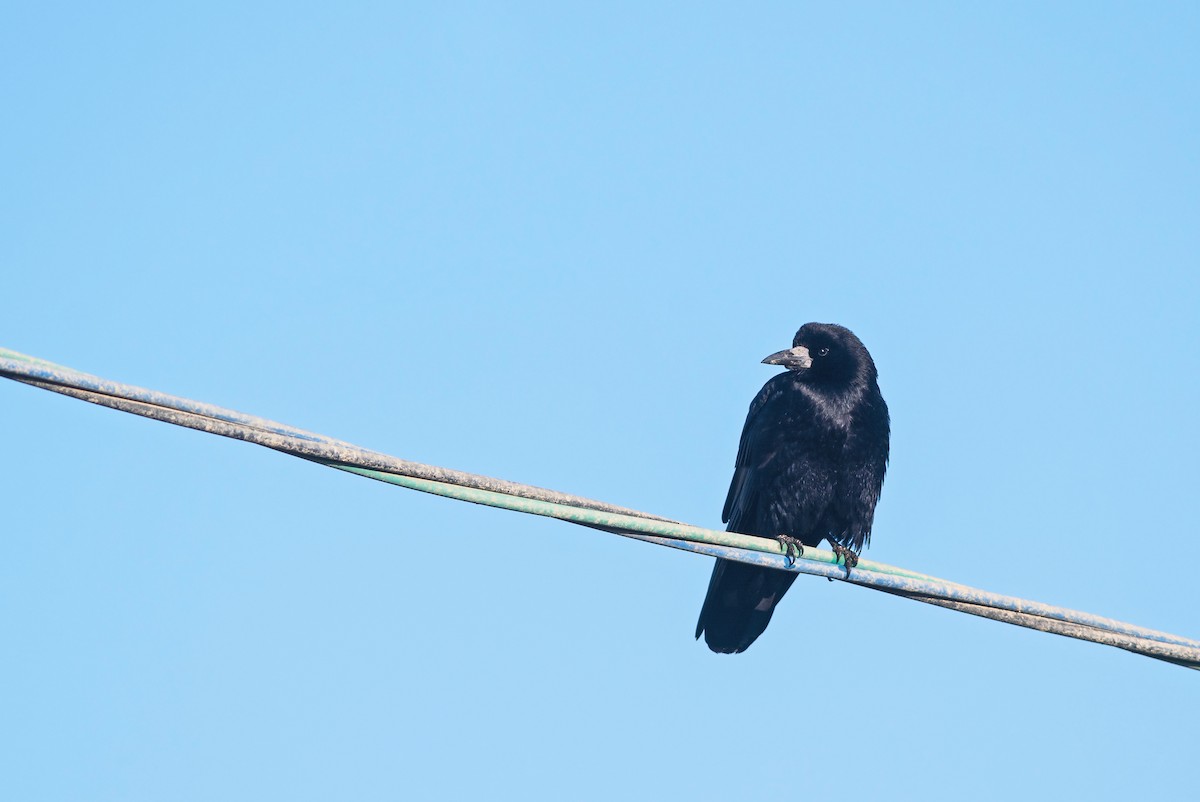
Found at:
[809, 468]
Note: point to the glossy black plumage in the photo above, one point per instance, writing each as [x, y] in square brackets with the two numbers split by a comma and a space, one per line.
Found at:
[810, 465]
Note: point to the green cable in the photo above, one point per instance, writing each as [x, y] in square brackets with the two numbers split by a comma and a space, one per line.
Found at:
[594, 518]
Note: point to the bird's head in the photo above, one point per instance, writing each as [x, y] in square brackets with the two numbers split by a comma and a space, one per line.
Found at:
[828, 354]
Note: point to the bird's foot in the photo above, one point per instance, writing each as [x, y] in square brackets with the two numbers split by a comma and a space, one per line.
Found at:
[790, 544]
[849, 558]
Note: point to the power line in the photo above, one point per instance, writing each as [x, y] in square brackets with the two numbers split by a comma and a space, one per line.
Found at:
[593, 514]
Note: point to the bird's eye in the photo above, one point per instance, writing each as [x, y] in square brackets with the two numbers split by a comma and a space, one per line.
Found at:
[823, 352]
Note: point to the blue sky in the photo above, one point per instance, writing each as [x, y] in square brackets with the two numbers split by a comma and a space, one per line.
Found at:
[552, 244]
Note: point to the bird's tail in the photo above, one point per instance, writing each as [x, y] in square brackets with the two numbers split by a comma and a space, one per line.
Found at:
[741, 599]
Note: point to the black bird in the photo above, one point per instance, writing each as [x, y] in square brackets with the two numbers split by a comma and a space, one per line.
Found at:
[809, 468]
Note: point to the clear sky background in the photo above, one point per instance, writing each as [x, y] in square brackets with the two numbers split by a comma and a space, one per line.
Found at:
[552, 244]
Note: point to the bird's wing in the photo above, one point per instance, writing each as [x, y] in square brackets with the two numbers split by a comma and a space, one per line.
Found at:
[755, 452]
[861, 478]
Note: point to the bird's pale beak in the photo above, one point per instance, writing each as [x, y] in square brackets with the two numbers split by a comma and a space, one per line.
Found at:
[796, 358]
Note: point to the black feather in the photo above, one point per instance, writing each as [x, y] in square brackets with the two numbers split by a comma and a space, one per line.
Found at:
[810, 465]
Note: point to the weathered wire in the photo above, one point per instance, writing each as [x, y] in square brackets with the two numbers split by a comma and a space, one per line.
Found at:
[594, 514]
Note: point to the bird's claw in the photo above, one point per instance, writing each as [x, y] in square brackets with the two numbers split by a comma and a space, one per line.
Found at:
[848, 557]
[789, 545]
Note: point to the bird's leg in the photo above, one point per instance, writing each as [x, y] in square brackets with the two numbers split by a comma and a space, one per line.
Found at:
[789, 545]
[849, 558]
